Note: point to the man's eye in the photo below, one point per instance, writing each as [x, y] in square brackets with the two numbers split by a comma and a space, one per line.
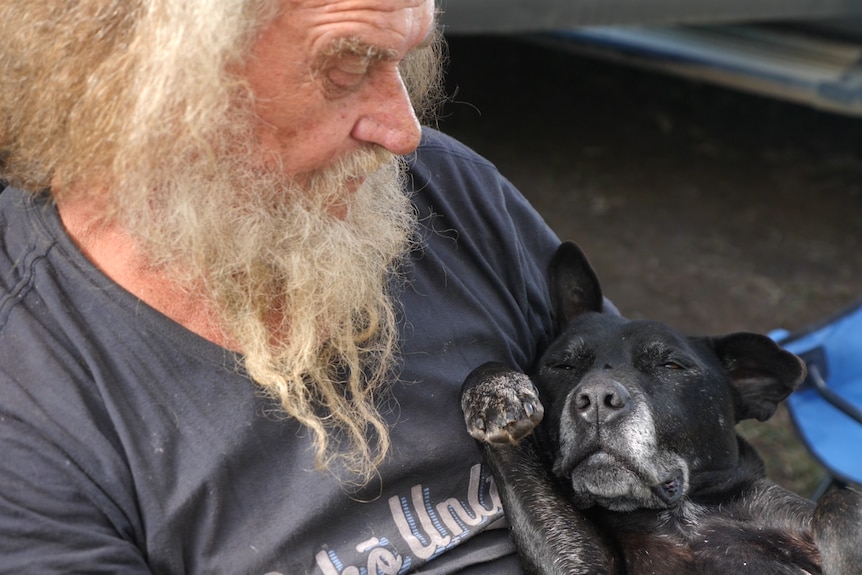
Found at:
[345, 76]
[340, 83]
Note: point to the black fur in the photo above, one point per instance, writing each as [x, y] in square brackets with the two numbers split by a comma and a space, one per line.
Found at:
[635, 467]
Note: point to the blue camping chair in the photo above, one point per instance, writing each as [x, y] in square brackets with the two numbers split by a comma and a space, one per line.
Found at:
[827, 407]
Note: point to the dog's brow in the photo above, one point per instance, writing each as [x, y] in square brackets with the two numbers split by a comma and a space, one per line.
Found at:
[577, 344]
[656, 347]
[578, 350]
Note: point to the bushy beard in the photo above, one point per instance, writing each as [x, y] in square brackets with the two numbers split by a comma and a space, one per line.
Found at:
[298, 273]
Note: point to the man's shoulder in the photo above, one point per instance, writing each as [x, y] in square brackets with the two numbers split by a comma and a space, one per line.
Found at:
[445, 171]
[20, 248]
[437, 147]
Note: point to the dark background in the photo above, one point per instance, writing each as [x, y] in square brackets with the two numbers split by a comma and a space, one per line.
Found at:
[710, 209]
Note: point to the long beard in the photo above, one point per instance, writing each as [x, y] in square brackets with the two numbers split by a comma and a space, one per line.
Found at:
[298, 273]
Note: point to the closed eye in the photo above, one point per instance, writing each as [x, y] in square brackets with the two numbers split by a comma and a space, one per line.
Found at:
[572, 360]
[661, 354]
[345, 76]
[340, 83]
[345, 63]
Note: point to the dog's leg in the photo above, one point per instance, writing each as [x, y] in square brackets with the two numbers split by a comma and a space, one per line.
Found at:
[837, 528]
[501, 408]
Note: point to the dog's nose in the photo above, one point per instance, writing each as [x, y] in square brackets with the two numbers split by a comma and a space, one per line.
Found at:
[602, 400]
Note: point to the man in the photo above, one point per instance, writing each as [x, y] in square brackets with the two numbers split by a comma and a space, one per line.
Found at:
[229, 341]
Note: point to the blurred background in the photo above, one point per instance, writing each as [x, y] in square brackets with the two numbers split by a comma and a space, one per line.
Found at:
[706, 155]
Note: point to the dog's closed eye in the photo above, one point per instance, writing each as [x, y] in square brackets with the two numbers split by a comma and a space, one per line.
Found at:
[658, 354]
[576, 357]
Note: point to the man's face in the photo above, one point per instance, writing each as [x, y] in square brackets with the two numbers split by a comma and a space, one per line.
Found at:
[325, 79]
[294, 226]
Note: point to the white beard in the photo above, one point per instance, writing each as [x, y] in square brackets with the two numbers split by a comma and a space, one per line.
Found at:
[298, 276]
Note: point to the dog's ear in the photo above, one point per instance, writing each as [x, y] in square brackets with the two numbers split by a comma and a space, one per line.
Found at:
[762, 374]
[574, 285]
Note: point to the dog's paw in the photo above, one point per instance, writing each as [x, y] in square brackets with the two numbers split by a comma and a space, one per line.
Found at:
[500, 406]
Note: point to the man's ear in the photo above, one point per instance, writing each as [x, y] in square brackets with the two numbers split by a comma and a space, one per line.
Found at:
[761, 373]
[574, 285]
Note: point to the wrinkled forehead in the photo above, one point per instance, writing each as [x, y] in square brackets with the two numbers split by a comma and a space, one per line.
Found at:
[390, 28]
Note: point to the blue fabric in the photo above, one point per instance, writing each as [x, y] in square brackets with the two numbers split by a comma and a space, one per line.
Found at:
[130, 445]
[834, 347]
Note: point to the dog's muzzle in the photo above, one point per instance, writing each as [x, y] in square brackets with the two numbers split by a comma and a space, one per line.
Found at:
[601, 401]
[610, 452]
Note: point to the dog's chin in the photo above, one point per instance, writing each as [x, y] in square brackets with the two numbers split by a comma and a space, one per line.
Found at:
[601, 480]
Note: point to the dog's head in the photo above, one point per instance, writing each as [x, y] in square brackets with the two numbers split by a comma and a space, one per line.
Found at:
[634, 410]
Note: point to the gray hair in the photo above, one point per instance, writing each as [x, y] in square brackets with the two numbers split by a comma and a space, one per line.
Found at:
[117, 89]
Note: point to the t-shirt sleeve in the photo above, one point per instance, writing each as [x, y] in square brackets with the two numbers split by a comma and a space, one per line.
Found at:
[53, 517]
[65, 487]
[490, 239]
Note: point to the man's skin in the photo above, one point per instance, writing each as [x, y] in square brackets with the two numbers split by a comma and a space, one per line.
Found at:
[312, 105]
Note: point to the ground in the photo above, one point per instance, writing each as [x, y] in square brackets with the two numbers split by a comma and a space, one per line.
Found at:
[708, 209]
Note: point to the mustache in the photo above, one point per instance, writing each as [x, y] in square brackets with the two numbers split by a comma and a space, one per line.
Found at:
[363, 162]
[356, 165]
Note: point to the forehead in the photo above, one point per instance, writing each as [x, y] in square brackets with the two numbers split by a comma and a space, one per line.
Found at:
[392, 26]
[610, 332]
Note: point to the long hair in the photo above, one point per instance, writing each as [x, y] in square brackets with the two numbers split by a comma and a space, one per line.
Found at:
[127, 94]
[108, 89]
[104, 90]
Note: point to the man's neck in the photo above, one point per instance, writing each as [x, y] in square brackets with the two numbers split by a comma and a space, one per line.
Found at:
[111, 249]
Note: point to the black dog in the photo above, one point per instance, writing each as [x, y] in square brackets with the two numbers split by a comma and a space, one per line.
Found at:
[636, 467]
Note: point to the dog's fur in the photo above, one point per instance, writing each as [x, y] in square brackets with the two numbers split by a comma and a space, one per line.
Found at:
[636, 467]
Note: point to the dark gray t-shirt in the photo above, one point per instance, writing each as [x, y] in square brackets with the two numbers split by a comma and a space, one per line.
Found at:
[129, 444]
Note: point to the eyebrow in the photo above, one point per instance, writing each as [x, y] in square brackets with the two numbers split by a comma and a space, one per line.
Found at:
[369, 53]
[352, 46]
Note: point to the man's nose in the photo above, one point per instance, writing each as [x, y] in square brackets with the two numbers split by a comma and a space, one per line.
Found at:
[389, 119]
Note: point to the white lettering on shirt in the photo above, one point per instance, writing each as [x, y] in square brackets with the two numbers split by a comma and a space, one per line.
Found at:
[427, 528]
